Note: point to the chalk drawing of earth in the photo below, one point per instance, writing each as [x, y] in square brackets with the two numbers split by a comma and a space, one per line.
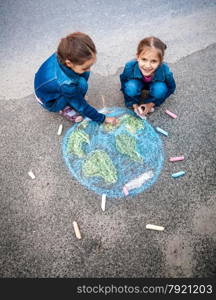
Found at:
[119, 160]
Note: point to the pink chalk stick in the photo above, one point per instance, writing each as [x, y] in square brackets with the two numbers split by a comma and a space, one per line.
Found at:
[177, 158]
[125, 191]
[170, 114]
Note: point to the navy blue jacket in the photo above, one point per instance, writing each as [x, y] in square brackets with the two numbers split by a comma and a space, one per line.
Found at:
[162, 73]
[57, 86]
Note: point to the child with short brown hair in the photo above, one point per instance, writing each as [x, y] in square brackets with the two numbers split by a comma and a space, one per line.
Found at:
[61, 81]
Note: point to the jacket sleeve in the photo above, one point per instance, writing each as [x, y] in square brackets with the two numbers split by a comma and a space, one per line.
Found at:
[86, 75]
[77, 101]
[170, 81]
[124, 77]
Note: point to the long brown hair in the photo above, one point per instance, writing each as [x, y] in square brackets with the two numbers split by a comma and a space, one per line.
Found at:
[152, 42]
[77, 47]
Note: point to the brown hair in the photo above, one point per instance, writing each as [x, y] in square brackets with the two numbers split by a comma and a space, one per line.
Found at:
[77, 47]
[152, 42]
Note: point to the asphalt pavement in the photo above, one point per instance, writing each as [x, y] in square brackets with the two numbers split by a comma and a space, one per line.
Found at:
[31, 31]
[37, 236]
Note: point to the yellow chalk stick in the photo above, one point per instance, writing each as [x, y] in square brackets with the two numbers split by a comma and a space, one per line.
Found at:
[60, 129]
[76, 229]
[103, 202]
[103, 100]
[154, 227]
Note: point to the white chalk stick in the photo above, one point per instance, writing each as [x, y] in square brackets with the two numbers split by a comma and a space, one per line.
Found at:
[31, 174]
[125, 191]
[76, 229]
[103, 100]
[154, 227]
[60, 129]
[103, 202]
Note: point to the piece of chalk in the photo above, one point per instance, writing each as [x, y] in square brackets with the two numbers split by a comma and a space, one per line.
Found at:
[31, 174]
[175, 175]
[170, 114]
[154, 227]
[176, 158]
[125, 191]
[76, 229]
[162, 131]
[103, 100]
[103, 202]
[60, 129]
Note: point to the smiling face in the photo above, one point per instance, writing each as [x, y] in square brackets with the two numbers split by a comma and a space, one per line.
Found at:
[81, 68]
[148, 61]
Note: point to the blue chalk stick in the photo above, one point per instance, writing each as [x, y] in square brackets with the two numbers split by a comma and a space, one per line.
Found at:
[175, 175]
[162, 131]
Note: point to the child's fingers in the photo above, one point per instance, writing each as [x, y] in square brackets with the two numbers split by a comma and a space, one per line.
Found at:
[142, 108]
[111, 120]
[115, 121]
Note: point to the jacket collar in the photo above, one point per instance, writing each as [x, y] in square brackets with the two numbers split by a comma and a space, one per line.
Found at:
[158, 76]
[70, 73]
[137, 72]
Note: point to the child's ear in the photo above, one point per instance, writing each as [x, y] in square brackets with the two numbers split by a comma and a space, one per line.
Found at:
[68, 63]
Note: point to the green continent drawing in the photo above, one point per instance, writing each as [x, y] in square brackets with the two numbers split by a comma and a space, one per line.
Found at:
[132, 123]
[75, 141]
[126, 144]
[98, 163]
[83, 125]
[109, 127]
[115, 160]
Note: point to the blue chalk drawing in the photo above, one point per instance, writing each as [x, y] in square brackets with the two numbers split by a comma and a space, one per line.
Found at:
[114, 157]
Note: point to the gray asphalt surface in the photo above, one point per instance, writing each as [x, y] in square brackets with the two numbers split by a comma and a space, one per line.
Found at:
[36, 237]
[31, 30]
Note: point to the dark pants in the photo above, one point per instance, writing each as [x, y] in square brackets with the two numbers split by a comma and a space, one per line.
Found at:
[132, 89]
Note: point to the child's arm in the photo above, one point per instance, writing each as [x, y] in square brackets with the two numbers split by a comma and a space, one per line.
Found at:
[126, 75]
[85, 75]
[77, 101]
[170, 81]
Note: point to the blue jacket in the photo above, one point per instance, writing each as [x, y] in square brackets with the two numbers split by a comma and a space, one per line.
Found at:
[163, 74]
[57, 86]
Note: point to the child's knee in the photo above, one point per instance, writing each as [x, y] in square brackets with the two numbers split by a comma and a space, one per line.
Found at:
[159, 90]
[131, 88]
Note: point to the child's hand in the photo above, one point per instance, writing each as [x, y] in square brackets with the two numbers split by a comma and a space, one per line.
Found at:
[111, 120]
[144, 109]
[135, 107]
